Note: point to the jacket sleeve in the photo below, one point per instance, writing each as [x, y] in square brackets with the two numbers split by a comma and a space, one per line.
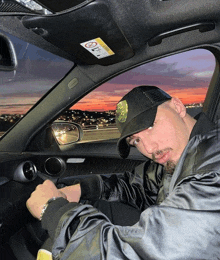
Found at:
[161, 233]
[179, 230]
[138, 188]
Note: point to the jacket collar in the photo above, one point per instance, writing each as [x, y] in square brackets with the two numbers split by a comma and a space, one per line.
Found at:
[202, 126]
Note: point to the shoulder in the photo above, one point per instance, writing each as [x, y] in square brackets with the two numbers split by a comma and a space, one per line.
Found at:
[201, 156]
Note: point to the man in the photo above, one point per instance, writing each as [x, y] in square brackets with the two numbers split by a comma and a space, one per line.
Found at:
[177, 192]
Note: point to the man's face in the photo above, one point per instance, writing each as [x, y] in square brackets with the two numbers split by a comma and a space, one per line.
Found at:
[165, 141]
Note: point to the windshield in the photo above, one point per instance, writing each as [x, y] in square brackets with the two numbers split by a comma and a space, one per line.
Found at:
[37, 72]
[185, 76]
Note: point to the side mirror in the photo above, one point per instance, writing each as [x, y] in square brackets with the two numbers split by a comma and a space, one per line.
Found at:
[66, 133]
[8, 58]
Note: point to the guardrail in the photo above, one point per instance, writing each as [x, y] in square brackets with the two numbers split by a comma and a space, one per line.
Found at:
[88, 127]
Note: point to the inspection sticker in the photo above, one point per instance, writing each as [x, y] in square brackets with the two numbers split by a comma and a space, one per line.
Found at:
[98, 48]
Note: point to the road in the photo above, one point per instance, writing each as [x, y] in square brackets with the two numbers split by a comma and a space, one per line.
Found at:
[100, 134]
[88, 135]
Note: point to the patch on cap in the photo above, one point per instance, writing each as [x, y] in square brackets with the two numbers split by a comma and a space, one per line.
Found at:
[122, 111]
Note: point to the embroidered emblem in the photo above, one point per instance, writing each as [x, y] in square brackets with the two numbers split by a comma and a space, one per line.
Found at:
[122, 111]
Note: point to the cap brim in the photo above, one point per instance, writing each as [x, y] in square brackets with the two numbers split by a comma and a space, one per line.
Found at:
[137, 124]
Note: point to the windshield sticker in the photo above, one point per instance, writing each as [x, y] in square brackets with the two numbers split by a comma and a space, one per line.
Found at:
[98, 48]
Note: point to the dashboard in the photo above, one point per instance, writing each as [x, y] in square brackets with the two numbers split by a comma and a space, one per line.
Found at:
[21, 173]
[18, 179]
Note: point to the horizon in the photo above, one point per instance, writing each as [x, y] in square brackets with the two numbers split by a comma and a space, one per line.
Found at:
[98, 111]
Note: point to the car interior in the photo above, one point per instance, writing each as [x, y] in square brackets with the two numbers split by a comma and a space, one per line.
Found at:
[101, 39]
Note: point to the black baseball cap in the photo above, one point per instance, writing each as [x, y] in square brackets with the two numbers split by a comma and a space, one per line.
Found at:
[136, 111]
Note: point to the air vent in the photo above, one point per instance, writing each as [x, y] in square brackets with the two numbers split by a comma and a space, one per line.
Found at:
[25, 172]
[55, 166]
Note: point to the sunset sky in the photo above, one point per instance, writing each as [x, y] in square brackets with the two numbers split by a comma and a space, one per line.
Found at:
[185, 76]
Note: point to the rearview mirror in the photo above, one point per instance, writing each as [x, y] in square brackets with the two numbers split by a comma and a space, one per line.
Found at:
[8, 58]
[66, 133]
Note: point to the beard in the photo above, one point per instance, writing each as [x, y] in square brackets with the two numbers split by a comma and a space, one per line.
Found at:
[169, 167]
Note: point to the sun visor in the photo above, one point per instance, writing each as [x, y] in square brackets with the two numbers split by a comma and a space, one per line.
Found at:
[89, 34]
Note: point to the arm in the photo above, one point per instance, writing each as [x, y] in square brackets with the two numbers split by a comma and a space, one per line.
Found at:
[179, 230]
[163, 232]
[138, 188]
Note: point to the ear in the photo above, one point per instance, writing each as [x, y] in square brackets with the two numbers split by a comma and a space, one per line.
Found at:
[178, 106]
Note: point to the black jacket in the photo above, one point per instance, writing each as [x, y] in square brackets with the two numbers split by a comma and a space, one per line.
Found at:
[180, 218]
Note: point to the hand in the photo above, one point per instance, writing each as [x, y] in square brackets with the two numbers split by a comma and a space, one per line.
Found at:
[73, 193]
[40, 196]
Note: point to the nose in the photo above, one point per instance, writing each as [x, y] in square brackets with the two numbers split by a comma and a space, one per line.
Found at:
[150, 146]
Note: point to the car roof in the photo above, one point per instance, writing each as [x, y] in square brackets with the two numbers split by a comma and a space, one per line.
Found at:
[126, 27]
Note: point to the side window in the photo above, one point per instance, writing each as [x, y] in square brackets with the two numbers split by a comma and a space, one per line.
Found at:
[36, 73]
[186, 76]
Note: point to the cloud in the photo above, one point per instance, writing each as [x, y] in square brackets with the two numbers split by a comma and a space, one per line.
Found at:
[147, 73]
[186, 76]
[163, 74]
[203, 74]
[189, 69]
[38, 94]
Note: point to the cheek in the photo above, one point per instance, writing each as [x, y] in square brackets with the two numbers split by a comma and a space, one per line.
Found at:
[171, 136]
[167, 134]
[178, 139]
